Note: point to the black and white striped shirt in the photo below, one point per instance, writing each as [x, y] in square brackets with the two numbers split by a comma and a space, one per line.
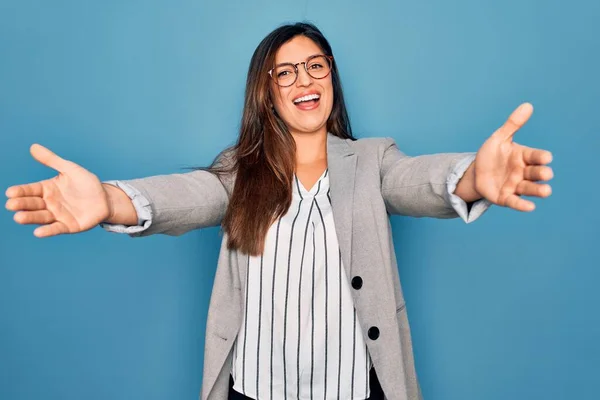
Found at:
[300, 338]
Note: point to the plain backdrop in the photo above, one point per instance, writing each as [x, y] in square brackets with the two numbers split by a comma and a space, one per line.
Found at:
[504, 308]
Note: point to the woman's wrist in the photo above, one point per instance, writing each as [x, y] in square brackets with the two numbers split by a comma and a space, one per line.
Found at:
[465, 189]
[120, 206]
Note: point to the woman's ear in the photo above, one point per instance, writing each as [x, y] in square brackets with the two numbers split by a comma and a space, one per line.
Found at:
[270, 103]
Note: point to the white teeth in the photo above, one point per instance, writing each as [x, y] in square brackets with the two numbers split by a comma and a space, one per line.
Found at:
[308, 97]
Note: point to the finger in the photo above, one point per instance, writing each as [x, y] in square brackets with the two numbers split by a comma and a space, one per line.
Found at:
[517, 119]
[34, 217]
[527, 188]
[26, 204]
[30, 189]
[536, 156]
[49, 159]
[519, 204]
[538, 173]
[55, 228]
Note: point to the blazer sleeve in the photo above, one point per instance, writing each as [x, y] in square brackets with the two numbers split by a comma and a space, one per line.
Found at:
[418, 186]
[177, 203]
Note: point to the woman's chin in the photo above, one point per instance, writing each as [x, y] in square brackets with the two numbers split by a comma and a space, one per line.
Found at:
[317, 127]
[309, 130]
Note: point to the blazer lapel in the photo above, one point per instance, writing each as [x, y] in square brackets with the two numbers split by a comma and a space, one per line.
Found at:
[341, 161]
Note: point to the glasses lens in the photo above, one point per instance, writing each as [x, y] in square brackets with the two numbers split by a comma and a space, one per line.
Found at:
[318, 67]
[284, 74]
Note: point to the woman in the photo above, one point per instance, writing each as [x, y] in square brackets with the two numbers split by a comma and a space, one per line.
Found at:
[306, 301]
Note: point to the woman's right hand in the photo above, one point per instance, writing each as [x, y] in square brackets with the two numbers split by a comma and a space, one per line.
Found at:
[73, 201]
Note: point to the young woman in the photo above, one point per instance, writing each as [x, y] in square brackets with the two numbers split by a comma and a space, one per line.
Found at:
[307, 302]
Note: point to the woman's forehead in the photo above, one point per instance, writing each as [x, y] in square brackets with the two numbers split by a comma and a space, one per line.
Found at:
[297, 50]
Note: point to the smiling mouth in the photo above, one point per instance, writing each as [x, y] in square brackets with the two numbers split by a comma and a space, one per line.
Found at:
[307, 102]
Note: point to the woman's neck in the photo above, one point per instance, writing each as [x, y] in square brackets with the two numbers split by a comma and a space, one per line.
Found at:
[311, 147]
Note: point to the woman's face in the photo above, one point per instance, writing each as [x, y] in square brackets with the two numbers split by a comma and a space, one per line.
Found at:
[302, 117]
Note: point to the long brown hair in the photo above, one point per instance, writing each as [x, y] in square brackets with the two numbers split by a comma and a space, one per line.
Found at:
[264, 156]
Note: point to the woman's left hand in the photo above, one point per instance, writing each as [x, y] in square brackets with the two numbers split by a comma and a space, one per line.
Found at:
[505, 170]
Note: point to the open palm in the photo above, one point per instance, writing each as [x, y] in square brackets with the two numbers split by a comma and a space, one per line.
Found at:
[505, 170]
[73, 201]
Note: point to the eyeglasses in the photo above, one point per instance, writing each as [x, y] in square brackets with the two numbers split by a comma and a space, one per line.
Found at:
[317, 66]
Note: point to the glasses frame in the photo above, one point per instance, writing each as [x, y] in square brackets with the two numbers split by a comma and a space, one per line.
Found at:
[330, 58]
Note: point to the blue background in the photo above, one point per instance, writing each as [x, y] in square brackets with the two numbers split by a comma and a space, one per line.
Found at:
[504, 308]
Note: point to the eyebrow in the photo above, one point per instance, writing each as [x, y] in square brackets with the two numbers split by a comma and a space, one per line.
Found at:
[289, 62]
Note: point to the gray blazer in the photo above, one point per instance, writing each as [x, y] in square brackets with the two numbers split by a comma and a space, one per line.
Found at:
[370, 179]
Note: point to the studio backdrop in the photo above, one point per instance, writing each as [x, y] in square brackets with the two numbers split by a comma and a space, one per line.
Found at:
[503, 308]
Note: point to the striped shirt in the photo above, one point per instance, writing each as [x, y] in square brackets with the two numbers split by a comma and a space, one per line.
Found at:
[300, 338]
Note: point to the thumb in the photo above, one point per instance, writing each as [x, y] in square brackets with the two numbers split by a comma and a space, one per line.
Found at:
[49, 159]
[517, 119]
